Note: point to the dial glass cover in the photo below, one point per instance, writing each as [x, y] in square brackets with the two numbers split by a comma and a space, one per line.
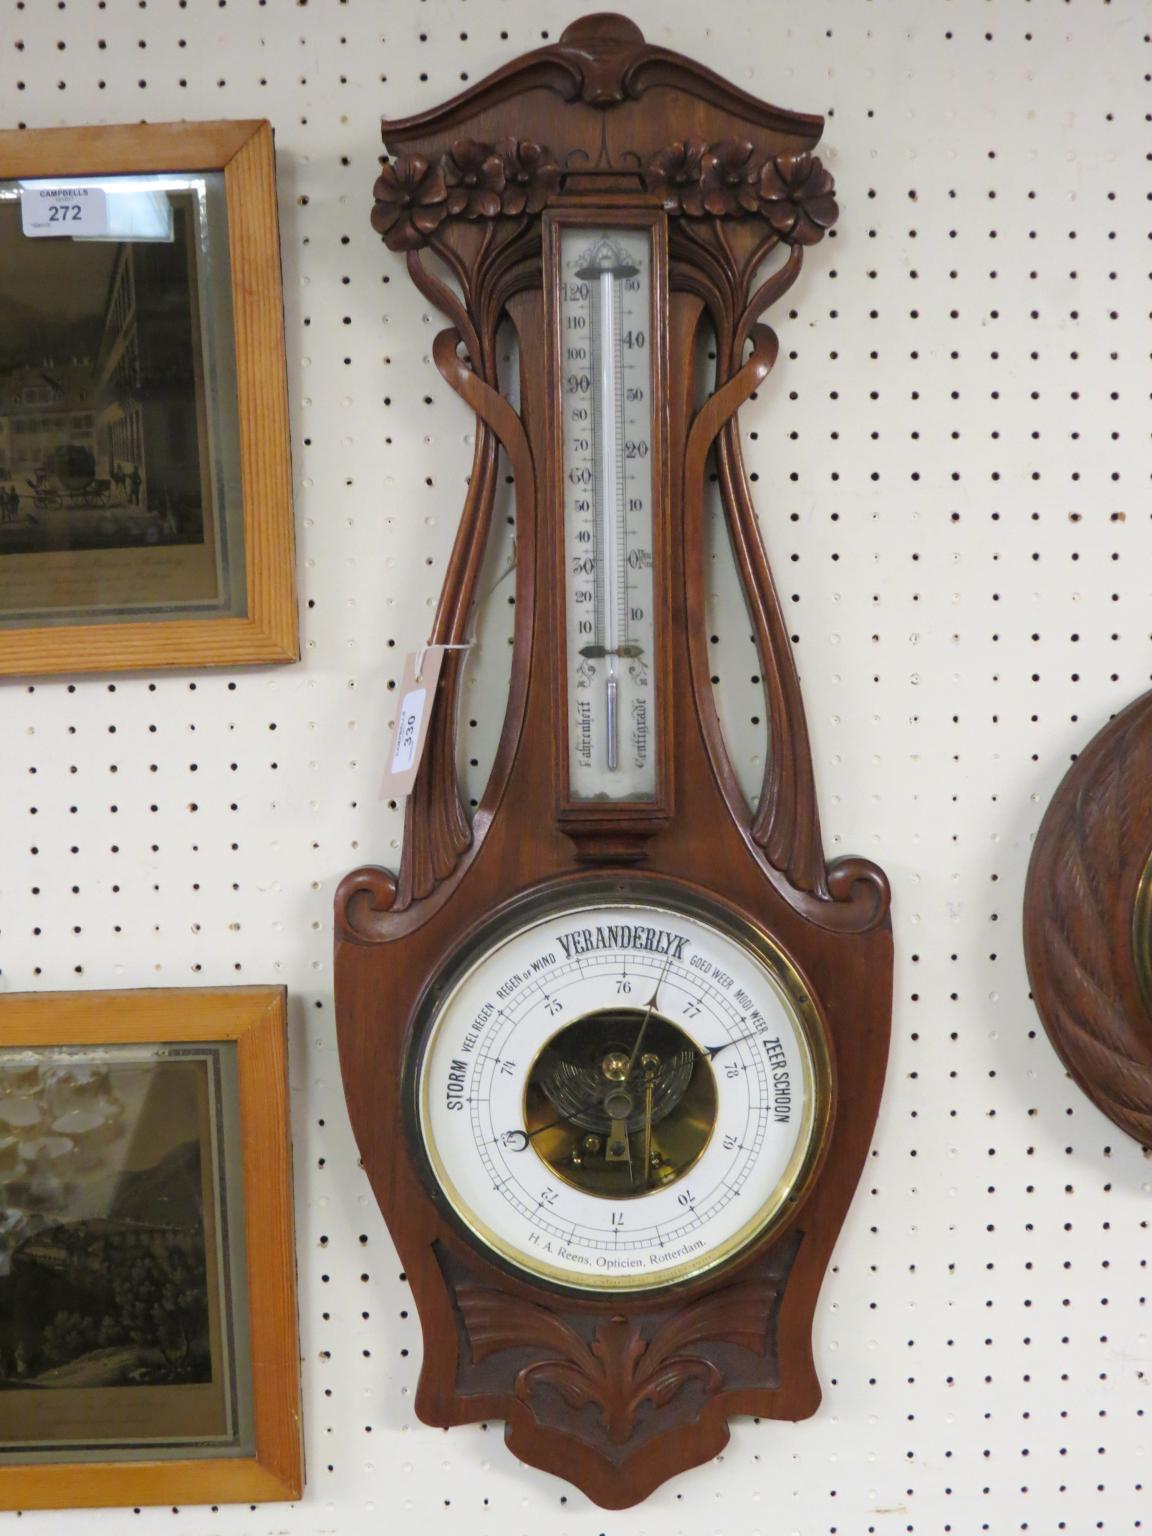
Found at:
[619, 1096]
[606, 383]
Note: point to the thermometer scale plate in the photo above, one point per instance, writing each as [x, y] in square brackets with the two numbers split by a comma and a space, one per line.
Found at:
[606, 380]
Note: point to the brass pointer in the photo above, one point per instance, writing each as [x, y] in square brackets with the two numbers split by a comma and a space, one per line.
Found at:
[649, 1009]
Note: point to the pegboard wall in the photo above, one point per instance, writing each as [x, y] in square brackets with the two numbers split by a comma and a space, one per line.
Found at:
[952, 463]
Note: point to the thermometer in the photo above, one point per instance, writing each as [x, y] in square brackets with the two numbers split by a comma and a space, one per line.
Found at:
[607, 388]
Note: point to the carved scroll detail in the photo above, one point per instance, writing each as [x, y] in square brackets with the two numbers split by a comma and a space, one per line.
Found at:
[604, 61]
[488, 268]
[1080, 921]
[363, 900]
[437, 832]
[710, 262]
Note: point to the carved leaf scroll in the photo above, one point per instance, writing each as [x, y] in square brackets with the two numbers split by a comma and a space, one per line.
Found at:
[412, 204]
[737, 210]
[621, 1367]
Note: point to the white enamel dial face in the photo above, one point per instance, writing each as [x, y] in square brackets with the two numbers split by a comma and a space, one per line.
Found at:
[606, 384]
[622, 1096]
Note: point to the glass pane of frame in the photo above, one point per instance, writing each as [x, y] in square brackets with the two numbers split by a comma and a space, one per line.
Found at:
[123, 1298]
[120, 485]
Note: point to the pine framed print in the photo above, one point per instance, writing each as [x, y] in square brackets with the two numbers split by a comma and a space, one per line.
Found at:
[148, 1344]
[145, 476]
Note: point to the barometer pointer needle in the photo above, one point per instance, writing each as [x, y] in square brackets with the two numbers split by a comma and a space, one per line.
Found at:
[649, 1009]
[714, 1050]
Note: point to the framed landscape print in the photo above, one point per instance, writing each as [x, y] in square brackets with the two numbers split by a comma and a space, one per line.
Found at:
[145, 478]
[146, 1256]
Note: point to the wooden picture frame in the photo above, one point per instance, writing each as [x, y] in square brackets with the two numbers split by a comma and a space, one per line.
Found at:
[71, 1063]
[249, 616]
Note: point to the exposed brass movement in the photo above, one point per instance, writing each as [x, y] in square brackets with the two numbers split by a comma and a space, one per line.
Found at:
[614, 1122]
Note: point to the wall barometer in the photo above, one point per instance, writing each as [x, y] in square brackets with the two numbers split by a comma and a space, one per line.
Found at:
[613, 1047]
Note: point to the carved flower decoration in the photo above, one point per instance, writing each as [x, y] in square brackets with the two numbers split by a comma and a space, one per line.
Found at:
[530, 175]
[796, 197]
[728, 178]
[411, 201]
[675, 175]
[475, 178]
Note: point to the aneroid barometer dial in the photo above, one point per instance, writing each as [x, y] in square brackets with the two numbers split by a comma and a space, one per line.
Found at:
[618, 1097]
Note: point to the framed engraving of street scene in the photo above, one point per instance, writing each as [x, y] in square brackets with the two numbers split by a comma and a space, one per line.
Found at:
[145, 475]
[148, 1344]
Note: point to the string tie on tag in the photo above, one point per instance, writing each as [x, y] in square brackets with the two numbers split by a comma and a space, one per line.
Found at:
[455, 645]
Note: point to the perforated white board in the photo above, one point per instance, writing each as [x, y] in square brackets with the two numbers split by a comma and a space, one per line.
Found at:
[953, 470]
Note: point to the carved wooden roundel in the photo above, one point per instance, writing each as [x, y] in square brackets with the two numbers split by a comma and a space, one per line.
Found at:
[1088, 920]
[613, 1048]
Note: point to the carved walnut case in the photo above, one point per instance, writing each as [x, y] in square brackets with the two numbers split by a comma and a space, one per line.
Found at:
[615, 1393]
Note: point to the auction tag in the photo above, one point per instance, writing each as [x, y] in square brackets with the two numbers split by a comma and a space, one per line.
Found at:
[417, 691]
[56, 208]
